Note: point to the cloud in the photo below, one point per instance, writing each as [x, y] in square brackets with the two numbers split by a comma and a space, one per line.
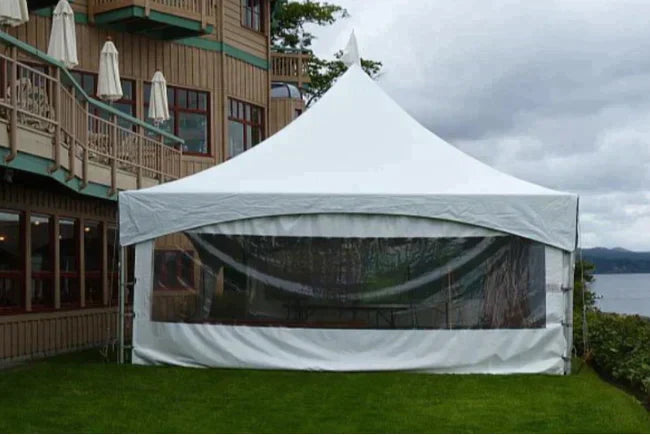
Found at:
[555, 92]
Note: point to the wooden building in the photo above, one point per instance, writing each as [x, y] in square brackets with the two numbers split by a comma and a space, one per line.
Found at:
[64, 155]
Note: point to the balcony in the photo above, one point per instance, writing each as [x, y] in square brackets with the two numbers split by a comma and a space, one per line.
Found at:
[290, 67]
[158, 19]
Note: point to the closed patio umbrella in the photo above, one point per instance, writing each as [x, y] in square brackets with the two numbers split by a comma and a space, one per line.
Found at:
[158, 107]
[63, 37]
[13, 12]
[109, 87]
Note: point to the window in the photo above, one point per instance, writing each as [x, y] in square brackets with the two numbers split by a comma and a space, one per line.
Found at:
[113, 261]
[190, 115]
[245, 126]
[297, 113]
[42, 267]
[174, 270]
[251, 14]
[88, 82]
[11, 264]
[93, 263]
[69, 262]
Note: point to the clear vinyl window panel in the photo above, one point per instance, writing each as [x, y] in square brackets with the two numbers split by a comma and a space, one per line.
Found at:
[355, 283]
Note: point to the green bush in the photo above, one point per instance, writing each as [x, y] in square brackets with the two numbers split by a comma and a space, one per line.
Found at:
[620, 346]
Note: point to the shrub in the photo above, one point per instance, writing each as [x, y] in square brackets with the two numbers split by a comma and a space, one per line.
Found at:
[620, 347]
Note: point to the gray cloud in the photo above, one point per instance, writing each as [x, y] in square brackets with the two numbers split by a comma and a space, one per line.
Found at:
[555, 92]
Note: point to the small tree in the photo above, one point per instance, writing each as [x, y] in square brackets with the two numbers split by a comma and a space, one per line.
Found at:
[288, 31]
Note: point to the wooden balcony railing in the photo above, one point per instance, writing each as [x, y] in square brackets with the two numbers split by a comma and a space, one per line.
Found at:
[45, 98]
[203, 11]
[290, 67]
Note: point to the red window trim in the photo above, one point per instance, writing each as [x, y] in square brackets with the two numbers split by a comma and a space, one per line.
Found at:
[245, 24]
[180, 109]
[244, 121]
[20, 273]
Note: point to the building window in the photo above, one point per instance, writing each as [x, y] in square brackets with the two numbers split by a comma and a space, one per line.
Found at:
[113, 261]
[88, 82]
[93, 263]
[174, 270]
[251, 14]
[245, 126]
[69, 262]
[189, 112]
[42, 264]
[11, 264]
[297, 113]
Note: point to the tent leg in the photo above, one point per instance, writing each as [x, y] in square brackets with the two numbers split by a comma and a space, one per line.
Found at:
[121, 303]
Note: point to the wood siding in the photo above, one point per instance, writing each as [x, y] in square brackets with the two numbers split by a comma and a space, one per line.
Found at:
[242, 37]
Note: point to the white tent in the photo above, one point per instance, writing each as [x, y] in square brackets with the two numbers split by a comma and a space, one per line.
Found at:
[356, 167]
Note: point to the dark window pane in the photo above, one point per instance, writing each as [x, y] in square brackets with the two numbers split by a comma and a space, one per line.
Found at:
[67, 245]
[256, 136]
[10, 241]
[41, 247]
[249, 137]
[247, 115]
[147, 93]
[182, 98]
[192, 100]
[89, 84]
[127, 89]
[203, 101]
[92, 246]
[11, 294]
[171, 97]
[193, 128]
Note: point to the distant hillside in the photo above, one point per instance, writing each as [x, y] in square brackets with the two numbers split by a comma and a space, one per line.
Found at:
[618, 260]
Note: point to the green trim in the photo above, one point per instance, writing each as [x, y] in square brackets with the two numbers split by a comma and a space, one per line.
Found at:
[193, 41]
[39, 165]
[160, 17]
[44, 57]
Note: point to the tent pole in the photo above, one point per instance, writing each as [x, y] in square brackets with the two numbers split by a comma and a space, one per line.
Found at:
[120, 317]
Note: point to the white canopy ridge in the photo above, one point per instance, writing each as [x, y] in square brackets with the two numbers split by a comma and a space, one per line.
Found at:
[63, 37]
[355, 152]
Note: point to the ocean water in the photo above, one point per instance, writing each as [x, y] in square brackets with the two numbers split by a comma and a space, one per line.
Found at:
[626, 293]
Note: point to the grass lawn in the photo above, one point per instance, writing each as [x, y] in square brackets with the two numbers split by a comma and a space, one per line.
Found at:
[79, 393]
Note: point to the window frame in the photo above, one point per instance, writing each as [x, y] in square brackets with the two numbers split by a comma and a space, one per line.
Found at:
[132, 103]
[175, 109]
[17, 275]
[235, 118]
[245, 8]
[43, 274]
[75, 274]
[94, 274]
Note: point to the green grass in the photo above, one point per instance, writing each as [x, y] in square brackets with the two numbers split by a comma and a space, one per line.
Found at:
[78, 393]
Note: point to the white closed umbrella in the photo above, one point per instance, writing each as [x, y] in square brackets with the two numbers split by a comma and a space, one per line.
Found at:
[158, 107]
[13, 12]
[63, 37]
[109, 87]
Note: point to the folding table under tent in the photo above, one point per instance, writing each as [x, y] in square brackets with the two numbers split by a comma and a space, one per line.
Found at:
[353, 239]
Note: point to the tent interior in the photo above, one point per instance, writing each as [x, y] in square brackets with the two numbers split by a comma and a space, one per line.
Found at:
[353, 239]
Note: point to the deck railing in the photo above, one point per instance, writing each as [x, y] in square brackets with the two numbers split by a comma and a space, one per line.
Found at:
[292, 67]
[197, 10]
[45, 97]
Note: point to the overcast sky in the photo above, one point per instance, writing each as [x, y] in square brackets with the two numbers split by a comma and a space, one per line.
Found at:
[554, 92]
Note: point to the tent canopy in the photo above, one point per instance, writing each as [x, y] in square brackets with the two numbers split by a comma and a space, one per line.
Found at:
[358, 153]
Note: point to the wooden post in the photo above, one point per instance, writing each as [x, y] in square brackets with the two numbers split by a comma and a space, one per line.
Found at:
[160, 158]
[85, 145]
[147, 8]
[73, 138]
[91, 11]
[82, 261]
[27, 260]
[104, 248]
[57, 262]
[139, 156]
[114, 146]
[58, 117]
[203, 6]
[13, 122]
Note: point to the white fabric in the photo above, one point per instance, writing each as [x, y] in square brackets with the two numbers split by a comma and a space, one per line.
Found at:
[351, 52]
[13, 12]
[342, 225]
[355, 152]
[436, 351]
[158, 106]
[109, 87]
[63, 37]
